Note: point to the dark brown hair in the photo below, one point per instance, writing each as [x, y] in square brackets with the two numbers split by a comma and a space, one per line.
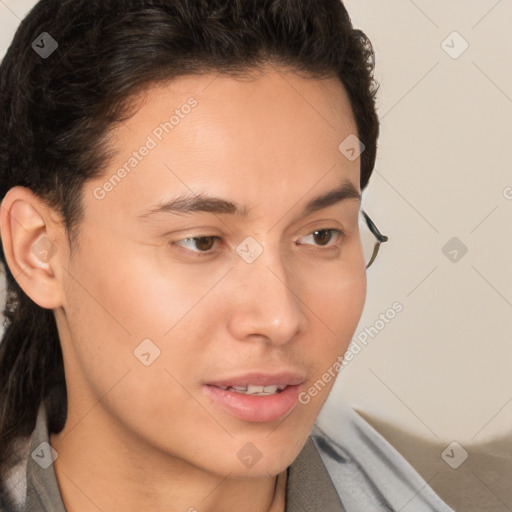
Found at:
[56, 113]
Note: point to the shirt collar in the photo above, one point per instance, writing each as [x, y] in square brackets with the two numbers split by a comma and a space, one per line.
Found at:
[309, 487]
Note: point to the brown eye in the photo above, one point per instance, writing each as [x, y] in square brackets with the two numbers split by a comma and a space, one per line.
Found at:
[198, 246]
[322, 237]
[205, 243]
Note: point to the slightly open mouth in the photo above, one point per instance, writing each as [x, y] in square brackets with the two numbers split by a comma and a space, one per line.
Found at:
[254, 390]
[254, 403]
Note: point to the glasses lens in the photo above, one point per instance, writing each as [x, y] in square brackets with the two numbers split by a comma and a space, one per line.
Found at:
[368, 240]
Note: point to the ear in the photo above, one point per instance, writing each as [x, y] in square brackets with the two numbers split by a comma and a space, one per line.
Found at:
[30, 238]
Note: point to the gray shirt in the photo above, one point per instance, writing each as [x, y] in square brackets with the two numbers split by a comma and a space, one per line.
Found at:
[364, 473]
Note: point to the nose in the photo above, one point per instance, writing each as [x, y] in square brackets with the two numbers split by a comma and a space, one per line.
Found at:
[266, 303]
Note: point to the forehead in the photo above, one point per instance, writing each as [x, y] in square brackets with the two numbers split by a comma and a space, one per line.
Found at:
[272, 134]
[262, 103]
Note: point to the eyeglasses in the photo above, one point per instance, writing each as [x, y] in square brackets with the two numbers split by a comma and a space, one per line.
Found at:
[371, 238]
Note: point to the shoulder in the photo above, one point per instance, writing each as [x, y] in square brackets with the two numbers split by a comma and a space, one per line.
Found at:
[367, 471]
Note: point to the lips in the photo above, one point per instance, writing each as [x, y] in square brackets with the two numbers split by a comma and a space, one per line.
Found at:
[256, 397]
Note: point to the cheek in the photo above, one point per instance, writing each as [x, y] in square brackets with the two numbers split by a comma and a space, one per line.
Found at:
[337, 301]
[132, 294]
[121, 311]
[338, 306]
[346, 310]
[132, 343]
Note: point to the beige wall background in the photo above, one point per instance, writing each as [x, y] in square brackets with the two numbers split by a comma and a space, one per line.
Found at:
[441, 368]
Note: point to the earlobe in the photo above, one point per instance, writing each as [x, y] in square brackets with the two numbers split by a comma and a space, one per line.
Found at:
[27, 231]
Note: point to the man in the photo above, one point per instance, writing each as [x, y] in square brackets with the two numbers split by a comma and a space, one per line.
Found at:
[181, 227]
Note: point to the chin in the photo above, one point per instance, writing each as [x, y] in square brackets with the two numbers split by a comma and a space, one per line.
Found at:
[259, 456]
[261, 469]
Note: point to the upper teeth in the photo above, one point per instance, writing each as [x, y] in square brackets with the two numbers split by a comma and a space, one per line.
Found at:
[255, 390]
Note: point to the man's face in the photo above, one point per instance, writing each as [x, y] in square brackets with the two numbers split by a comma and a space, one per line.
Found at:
[157, 321]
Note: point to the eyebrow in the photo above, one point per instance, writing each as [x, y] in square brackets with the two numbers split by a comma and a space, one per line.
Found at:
[187, 203]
